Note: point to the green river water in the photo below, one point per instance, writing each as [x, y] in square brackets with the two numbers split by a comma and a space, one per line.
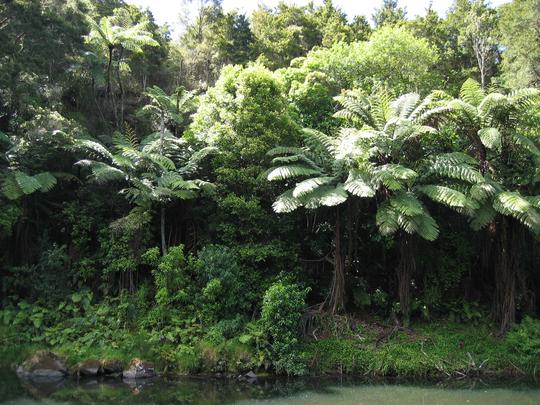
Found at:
[310, 391]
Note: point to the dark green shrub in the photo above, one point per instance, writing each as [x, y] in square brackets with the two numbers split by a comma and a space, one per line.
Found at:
[280, 318]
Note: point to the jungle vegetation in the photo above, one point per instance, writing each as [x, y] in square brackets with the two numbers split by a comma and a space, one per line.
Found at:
[273, 184]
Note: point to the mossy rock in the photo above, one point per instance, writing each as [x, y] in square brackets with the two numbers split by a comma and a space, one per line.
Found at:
[43, 365]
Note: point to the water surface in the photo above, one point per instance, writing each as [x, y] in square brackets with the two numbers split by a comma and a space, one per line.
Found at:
[310, 391]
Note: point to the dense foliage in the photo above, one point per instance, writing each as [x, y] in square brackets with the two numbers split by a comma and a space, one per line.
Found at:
[268, 190]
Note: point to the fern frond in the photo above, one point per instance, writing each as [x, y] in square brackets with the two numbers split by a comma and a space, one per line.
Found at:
[482, 191]
[328, 196]
[483, 216]
[445, 195]
[307, 186]
[286, 203]
[404, 105]
[392, 176]
[460, 171]
[291, 171]
[387, 219]
[526, 143]
[514, 205]
[426, 227]
[471, 92]
[490, 138]
[406, 204]
[357, 184]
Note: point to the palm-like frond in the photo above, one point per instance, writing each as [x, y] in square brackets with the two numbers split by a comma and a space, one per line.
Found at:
[291, 171]
[490, 137]
[514, 205]
[18, 184]
[471, 92]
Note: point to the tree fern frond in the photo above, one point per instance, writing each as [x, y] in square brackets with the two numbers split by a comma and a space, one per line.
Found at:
[460, 171]
[483, 216]
[286, 150]
[406, 204]
[445, 195]
[162, 161]
[103, 173]
[426, 227]
[47, 181]
[286, 203]
[490, 137]
[526, 143]
[95, 147]
[392, 176]
[307, 186]
[404, 105]
[387, 219]
[27, 183]
[471, 92]
[324, 140]
[328, 196]
[291, 171]
[482, 191]
[357, 184]
[514, 205]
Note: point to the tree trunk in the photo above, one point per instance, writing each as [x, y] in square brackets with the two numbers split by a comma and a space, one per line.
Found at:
[109, 70]
[161, 139]
[405, 269]
[504, 300]
[121, 88]
[162, 226]
[336, 298]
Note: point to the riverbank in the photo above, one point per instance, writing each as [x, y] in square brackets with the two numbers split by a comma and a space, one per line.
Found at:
[431, 350]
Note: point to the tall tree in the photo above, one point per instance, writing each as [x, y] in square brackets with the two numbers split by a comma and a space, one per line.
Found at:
[476, 22]
[389, 13]
[519, 28]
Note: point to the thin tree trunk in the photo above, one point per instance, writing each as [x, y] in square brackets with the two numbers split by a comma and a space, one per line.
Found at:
[161, 139]
[336, 299]
[163, 240]
[405, 269]
[121, 88]
[109, 70]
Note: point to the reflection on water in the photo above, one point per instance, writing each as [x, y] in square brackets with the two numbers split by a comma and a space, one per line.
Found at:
[268, 391]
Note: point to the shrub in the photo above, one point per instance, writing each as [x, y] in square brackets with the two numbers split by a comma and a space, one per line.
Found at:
[280, 318]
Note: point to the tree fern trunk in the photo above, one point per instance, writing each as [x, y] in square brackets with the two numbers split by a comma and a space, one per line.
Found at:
[504, 302]
[405, 270]
[163, 240]
[336, 298]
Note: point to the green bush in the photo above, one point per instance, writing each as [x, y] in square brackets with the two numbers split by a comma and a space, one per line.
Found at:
[280, 318]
